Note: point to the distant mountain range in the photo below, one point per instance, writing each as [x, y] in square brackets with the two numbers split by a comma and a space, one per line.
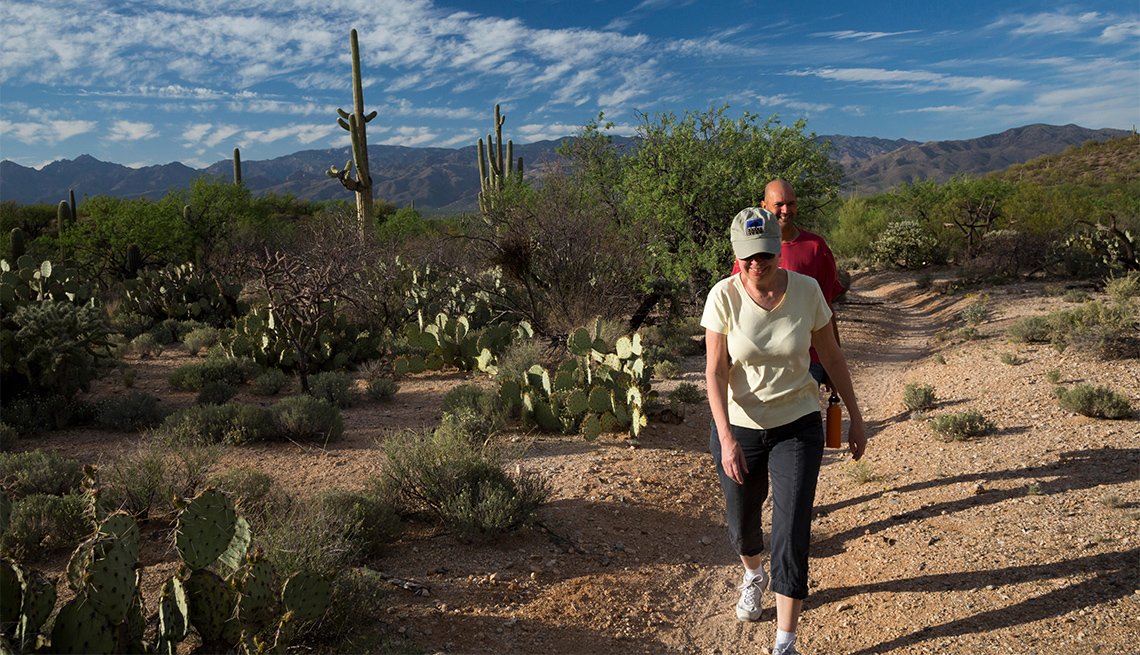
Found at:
[447, 180]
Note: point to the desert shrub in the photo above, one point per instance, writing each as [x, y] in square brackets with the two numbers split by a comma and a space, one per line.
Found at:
[129, 324]
[1075, 296]
[666, 370]
[201, 338]
[517, 359]
[132, 412]
[270, 382]
[369, 523]
[687, 392]
[145, 346]
[38, 472]
[138, 482]
[976, 312]
[356, 602]
[1096, 402]
[182, 291]
[232, 423]
[861, 472]
[906, 244]
[1053, 290]
[255, 492]
[939, 358]
[958, 426]
[381, 388]
[305, 418]
[1109, 331]
[1053, 376]
[32, 414]
[232, 370]
[216, 392]
[1012, 359]
[1123, 288]
[468, 489]
[41, 525]
[54, 348]
[1031, 329]
[919, 397]
[310, 536]
[8, 437]
[473, 412]
[335, 387]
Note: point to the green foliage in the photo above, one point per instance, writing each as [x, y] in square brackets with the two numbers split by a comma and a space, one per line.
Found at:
[689, 175]
[666, 370]
[919, 397]
[1053, 376]
[906, 244]
[201, 339]
[861, 472]
[860, 221]
[1031, 329]
[977, 311]
[1012, 359]
[32, 414]
[401, 225]
[1075, 296]
[305, 418]
[381, 388]
[41, 525]
[687, 392]
[368, 523]
[216, 392]
[1123, 288]
[193, 376]
[335, 387]
[466, 488]
[328, 342]
[145, 346]
[55, 348]
[1094, 401]
[270, 382]
[38, 472]
[137, 482]
[473, 412]
[132, 412]
[183, 291]
[233, 423]
[258, 495]
[959, 426]
[1109, 331]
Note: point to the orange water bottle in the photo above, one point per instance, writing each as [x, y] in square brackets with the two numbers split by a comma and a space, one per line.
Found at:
[834, 429]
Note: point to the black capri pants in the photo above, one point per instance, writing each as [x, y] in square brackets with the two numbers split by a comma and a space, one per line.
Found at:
[789, 456]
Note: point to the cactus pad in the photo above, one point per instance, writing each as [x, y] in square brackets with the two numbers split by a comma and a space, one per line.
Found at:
[205, 528]
[211, 603]
[307, 596]
[10, 596]
[109, 581]
[173, 611]
[123, 526]
[257, 595]
[38, 602]
[80, 628]
[234, 555]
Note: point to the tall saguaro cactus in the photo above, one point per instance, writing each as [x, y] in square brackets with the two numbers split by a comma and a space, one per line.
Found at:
[492, 175]
[355, 123]
[237, 166]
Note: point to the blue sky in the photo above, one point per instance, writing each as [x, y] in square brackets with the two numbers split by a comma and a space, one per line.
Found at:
[153, 81]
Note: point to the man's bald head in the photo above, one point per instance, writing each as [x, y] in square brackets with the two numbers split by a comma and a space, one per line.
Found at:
[780, 201]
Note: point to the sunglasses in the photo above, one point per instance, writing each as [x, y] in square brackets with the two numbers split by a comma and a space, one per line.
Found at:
[759, 257]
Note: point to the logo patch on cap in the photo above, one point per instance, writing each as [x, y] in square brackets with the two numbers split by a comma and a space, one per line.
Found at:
[754, 227]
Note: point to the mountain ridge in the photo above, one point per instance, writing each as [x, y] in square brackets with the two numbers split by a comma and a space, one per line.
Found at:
[447, 180]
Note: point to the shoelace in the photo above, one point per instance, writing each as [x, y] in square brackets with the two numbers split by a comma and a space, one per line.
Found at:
[751, 589]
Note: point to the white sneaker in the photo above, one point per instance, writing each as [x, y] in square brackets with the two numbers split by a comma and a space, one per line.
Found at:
[790, 649]
[751, 594]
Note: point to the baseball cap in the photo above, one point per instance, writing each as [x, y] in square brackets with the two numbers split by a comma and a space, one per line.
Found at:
[754, 230]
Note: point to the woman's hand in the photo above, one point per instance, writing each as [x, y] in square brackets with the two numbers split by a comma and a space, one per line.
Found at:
[732, 460]
[856, 438]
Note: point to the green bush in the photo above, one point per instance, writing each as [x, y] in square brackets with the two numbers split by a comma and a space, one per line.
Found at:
[976, 311]
[687, 392]
[55, 348]
[666, 370]
[357, 601]
[30, 415]
[467, 488]
[232, 423]
[1125, 288]
[139, 482]
[1109, 331]
[1053, 376]
[41, 525]
[1075, 296]
[382, 388]
[145, 346]
[130, 413]
[368, 523]
[473, 412]
[8, 437]
[38, 472]
[1031, 329]
[201, 338]
[335, 387]
[231, 370]
[305, 418]
[216, 393]
[906, 244]
[270, 382]
[919, 397]
[958, 426]
[1096, 402]
[1012, 359]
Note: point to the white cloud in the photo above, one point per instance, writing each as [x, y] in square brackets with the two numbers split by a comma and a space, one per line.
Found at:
[1121, 32]
[940, 109]
[781, 100]
[1055, 22]
[845, 35]
[47, 132]
[918, 81]
[410, 136]
[131, 131]
[208, 135]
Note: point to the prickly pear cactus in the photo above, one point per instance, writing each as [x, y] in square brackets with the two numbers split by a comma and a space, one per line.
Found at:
[307, 595]
[80, 628]
[206, 527]
[257, 596]
[211, 602]
[173, 614]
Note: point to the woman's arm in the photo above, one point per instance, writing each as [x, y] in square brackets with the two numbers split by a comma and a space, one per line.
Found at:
[716, 386]
[831, 356]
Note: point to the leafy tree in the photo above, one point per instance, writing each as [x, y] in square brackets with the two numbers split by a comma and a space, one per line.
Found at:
[690, 175]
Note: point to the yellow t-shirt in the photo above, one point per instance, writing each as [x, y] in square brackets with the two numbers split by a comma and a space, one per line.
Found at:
[768, 381]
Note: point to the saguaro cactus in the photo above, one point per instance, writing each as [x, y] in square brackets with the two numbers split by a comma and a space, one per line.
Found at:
[355, 123]
[237, 166]
[492, 175]
[19, 245]
[74, 207]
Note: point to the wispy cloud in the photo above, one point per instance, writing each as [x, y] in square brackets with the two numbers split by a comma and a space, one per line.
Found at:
[207, 135]
[410, 136]
[131, 131]
[1053, 22]
[48, 132]
[940, 109]
[1121, 32]
[781, 100]
[917, 80]
[846, 35]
